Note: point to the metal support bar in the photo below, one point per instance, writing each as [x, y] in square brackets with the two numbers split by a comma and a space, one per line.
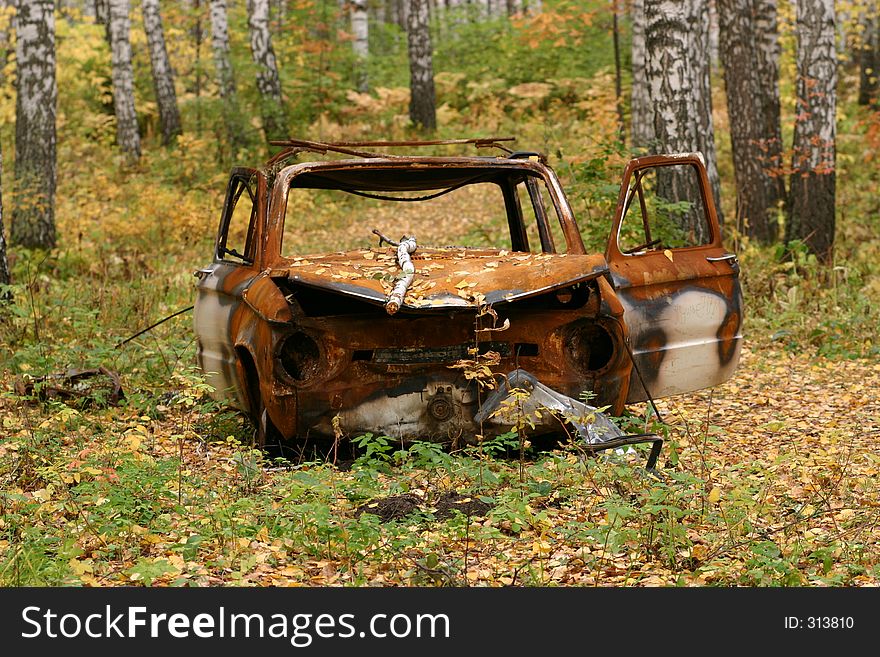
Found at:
[632, 439]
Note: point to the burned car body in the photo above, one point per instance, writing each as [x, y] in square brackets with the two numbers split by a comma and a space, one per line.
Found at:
[311, 344]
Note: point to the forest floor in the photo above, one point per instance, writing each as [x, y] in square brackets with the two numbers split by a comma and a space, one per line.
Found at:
[767, 479]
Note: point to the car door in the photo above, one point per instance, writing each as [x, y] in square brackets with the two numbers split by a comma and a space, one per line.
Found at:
[678, 285]
[235, 264]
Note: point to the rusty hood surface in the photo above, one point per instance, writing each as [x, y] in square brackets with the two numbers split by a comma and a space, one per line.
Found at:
[445, 278]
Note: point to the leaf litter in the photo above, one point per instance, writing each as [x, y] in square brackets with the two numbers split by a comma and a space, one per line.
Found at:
[768, 479]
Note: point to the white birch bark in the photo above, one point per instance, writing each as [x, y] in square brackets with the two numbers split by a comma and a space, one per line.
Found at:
[268, 83]
[641, 110]
[102, 16]
[102, 11]
[225, 74]
[674, 84]
[123, 80]
[714, 36]
[813, 177]
[701, 66]
[360, 27]
[163, 80]
[33, 216]
[422, 104]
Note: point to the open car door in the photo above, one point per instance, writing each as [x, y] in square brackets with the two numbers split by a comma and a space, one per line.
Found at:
[234, 267]
[678, 285]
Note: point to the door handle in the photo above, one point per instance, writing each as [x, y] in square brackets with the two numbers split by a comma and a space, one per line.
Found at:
[201, 273]
[726, 256]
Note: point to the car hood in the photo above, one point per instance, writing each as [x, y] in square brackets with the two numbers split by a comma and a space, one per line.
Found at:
[444, 278]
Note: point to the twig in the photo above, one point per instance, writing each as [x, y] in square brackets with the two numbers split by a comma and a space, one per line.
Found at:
[161, 321]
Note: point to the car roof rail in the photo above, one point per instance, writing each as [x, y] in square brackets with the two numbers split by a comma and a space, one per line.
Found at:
[294, 146]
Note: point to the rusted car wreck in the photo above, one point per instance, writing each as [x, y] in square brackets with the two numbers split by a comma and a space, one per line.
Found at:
[376, 338]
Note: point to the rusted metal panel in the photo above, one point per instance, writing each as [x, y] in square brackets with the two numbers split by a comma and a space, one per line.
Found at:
[683, 306]
[447, 278]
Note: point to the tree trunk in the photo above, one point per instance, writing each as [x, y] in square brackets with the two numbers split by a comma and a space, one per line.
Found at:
[813, 178]
[225, 74]
[123, 80]
[714, 33]
[102, 16]
[701, 65]
[5, 278]
[869, 56]
[641, 110]
[163, 81]
[361, 45]
[33, 215]
[422, 104]
[268, 83]
[618, 89]
[197, 34]
[676, 69]
[279, 11]
[749, 53]
[767, 53]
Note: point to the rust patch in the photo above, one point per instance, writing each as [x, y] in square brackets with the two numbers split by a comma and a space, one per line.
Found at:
[446, 278]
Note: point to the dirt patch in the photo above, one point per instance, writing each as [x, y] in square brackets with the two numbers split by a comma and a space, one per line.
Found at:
[469, 506]
[390, 508]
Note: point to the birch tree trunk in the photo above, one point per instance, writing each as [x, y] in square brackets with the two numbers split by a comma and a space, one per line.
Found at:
[714, 33]
[197, 35]
[701, 65]
[102, 16]
[676, 88]
[268, 83]
[225, 74]
[166, 97]
[618, 88]
[813, 177]
[750, 56]
[422, 104]
[360, 27]
[641, 110]
[869, 55]
[5, 278]
[123, 80]
[767, 56]
[33, 215]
